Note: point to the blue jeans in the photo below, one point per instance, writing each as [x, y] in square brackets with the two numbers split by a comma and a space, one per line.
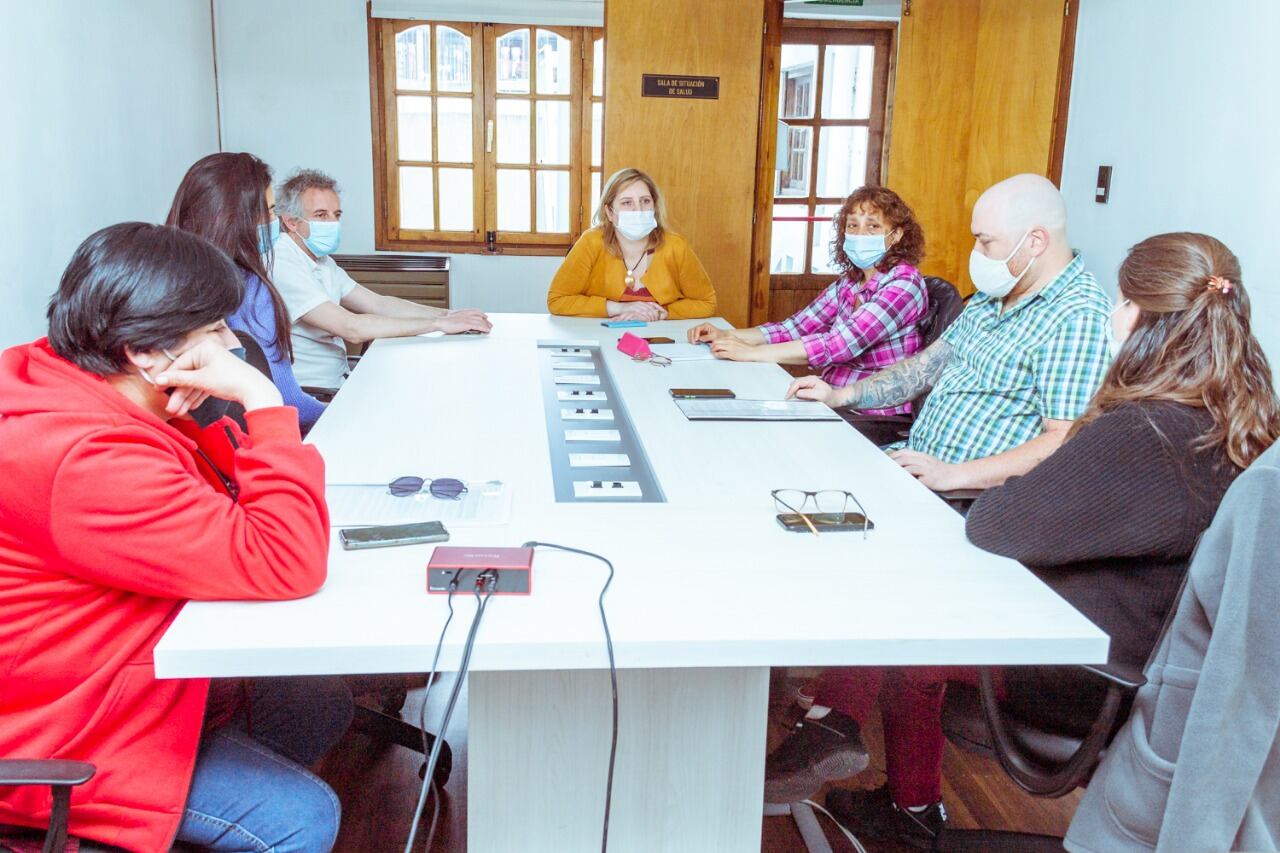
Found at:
[250, 790]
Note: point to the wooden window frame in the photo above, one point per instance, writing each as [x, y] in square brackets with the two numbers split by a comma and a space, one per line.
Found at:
[881, 37]
[484, 97]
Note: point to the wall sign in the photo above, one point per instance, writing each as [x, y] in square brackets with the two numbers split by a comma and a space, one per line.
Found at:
[675, 86]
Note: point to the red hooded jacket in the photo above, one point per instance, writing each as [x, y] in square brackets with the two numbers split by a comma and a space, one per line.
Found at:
[109, 521]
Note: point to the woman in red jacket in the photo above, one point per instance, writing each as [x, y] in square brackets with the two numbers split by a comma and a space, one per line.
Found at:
[116, 506]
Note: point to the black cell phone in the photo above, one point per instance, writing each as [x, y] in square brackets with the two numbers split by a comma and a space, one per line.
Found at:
[825, 522]
[386, 535]
[659, 340]
[702, 393]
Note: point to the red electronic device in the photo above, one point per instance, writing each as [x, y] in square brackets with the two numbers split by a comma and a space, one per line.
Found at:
[513, 566]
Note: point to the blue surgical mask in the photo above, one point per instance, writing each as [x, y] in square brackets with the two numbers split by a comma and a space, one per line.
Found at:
[865, 250]
[325, 237]
[267, 234]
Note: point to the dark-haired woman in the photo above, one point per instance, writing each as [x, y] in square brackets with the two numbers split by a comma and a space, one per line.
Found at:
[227, 199]
[866, 320]
[1109, 520]
[115, 509]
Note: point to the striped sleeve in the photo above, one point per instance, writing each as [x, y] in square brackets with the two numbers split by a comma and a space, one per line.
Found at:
[893, 307]
[813, 318]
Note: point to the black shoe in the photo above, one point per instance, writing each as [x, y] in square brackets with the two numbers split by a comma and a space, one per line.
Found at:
[816, 752]
[873, 814]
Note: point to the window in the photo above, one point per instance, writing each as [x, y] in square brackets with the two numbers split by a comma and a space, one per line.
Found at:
[486, 136]
[833, 87]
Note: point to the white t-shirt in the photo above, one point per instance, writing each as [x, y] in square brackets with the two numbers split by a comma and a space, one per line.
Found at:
[319, 358]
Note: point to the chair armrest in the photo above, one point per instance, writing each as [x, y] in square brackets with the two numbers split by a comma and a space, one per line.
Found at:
[50, 771]
[960, 494]
[1029, 773]
[324, 395]
[1128, 677]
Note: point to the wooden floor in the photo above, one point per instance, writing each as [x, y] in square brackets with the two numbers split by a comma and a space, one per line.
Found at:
[379, 787]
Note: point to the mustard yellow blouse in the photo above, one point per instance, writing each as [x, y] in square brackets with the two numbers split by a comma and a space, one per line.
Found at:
[591, 275]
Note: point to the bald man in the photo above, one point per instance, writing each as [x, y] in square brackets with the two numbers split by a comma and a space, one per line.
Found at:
[1016, 367]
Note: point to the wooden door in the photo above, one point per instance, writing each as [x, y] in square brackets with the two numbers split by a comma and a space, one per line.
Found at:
[980, 94]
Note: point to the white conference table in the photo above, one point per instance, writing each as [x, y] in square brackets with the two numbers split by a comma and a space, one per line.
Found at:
[709, 594]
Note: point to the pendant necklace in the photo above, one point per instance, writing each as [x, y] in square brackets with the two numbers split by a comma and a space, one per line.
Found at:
[630, 277]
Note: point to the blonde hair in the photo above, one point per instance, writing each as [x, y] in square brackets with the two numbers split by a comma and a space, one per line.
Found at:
[617, 182]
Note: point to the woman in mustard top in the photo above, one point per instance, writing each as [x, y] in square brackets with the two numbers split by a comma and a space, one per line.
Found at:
[629, 267]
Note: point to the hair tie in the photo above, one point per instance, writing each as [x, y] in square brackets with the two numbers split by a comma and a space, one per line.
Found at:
[1220, 284]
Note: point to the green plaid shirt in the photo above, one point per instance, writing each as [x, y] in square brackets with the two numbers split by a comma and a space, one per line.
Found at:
[1010, 370]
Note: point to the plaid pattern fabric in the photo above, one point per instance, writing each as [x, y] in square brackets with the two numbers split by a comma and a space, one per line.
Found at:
[854, 329]
[1009, 370]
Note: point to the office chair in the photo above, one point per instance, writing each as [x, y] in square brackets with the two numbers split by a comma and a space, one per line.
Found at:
[60, 776]
[945, 304]
[382, 723]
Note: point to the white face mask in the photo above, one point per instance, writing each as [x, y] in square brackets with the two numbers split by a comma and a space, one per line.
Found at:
[992, 276]
[636, 224]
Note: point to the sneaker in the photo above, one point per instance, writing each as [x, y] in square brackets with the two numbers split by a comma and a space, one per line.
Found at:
[816, 752]
[873, 814]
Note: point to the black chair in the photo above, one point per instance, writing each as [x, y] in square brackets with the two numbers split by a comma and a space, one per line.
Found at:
[945, 304]
[60, 776]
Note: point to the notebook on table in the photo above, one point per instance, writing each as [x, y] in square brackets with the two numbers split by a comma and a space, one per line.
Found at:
[755, 410]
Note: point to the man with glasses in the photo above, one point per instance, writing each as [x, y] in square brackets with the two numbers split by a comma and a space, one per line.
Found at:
[327, 307]
[1008, 378]
[1017, 366]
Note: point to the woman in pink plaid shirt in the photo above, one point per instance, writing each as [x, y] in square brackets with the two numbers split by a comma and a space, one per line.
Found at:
[866, 320]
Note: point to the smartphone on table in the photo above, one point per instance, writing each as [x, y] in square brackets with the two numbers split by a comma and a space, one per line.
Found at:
[701, 393]
[834, 522]
[387, 535]
[658, 339]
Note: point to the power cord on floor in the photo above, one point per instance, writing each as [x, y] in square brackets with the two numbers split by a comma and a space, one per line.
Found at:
[613, 679]
[485, 581]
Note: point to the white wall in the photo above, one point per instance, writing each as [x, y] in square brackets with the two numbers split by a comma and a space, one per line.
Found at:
[1182, 105]
[105, 105]
[294, 78]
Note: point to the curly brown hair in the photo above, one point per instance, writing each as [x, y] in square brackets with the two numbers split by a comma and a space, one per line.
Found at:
[1192, 344]
[910, 246]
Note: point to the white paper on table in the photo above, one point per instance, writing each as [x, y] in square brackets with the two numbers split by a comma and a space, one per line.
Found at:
[755, 410]
[599, 460]
[484, 504]
[586, 414]
[684, 352]
[592, 435]
[578, 379]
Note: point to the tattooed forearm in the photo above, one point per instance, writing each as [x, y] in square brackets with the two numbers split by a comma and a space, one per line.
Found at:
[901, 382]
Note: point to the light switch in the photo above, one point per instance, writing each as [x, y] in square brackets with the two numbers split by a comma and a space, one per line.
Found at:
[1102, 194]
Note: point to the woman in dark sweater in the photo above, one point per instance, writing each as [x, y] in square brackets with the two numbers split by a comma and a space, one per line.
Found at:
[1109, 521]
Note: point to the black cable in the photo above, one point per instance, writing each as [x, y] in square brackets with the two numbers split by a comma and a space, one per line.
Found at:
[428, 780]
[613, 679]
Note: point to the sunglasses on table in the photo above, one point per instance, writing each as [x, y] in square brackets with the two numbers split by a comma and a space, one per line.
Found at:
[446, 488]
[822, 510]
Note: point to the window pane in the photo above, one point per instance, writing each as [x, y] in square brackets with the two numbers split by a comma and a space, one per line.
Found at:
[795, 97]
[787, 252]
[513, 131]
[597, 133]
[453, 60]
[553, 202]
[842, 160]
[416, 203]
[846, 81]
[513, 200]
[793, 177]
[821, 237]
[595, 193]
[456, 200]
[597, 70]
[413, 123]
[513, 62]
[553, 133]
[553, 63]
[413, 58]
[454, 115]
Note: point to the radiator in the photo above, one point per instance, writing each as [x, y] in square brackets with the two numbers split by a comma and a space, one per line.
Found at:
[419, 278]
